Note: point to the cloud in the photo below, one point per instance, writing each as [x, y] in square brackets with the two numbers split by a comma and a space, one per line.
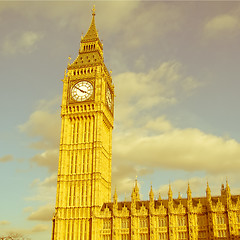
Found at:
[49, 181]
[222, 24]
[45, 126]
[159, 124]
[6, 158]
[123, 176]
[160, 87]
[45, 190]
[40, 228]
[47, 159]
[28, 209]
[197, 185]
[24, 43]
[44, 213]
[179, 149]
[4, 223]
[152, 21]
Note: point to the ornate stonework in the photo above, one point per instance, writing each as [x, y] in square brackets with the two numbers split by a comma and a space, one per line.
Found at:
[84, 210]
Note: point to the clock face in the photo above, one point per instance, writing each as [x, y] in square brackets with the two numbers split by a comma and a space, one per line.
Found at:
[109, 98]
[82, 91]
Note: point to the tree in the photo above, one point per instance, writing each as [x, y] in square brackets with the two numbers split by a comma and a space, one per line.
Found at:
[14, 236]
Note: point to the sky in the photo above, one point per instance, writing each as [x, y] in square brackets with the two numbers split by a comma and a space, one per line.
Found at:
[175, 67]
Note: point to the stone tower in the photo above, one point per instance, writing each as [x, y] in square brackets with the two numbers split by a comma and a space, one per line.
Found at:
[84, 171]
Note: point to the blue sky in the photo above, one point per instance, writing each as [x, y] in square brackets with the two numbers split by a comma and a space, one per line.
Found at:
[176, 74]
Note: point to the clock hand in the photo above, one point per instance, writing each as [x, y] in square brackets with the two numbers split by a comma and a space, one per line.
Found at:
[80, 89]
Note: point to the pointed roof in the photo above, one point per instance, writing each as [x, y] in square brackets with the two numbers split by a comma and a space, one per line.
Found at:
[92, 33]
[151, 194]
[189, 193]
[159, 197]
[115, 197]
[135, 192]
[208, 191]
[170, 192]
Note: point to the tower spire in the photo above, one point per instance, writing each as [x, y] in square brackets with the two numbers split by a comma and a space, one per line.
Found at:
[151, 194]
[92, 33]
[135, 192]
[93, 10]
[189, 193]
[115, 197]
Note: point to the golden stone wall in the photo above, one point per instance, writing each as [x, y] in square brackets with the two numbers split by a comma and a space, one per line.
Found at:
[191, 218]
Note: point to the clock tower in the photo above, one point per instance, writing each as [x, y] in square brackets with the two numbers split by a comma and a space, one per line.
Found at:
[85, 156]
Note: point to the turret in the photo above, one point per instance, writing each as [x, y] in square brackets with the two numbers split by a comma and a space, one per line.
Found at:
[170, 197]
[189, 197]
[115, 197]
[151, 195]
[228, 194]
[208, 195]
[159, 197]
[135, 193]
[151, 198]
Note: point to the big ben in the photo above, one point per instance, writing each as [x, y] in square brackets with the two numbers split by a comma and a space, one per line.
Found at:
[84, 171]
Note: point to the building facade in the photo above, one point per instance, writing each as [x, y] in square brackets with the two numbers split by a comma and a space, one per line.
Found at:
[84, 210]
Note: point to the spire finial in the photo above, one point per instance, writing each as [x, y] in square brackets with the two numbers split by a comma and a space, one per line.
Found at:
[93, 10]
[159, 196]
[151, 194]
[179, 196]
[170, 192]
[208, 192]
[189, 193]
[69, 59]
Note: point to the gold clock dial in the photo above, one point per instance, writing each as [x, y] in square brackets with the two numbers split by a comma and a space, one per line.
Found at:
[109, 98]
[82, 91]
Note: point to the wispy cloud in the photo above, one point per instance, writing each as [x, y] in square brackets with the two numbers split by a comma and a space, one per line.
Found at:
[23, 43]
[221, 25]
[6, 158]
[4, 222]
[43, 213]
[160, 87]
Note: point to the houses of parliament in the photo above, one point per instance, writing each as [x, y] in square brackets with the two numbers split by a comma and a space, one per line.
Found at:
[84, 206]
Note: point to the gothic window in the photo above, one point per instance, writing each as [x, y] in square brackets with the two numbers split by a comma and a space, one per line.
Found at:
[238, 218]
[143, 236]
[73, 132]
[71, 195]
[125, 223]
[125, 237]
[85, 131]
[162, 222]
[222, 234]
[75, 164]
[220, 219]
[143, 222]
[201, 234]
[182, 221]
[182, 235]
[163, 235]
[106, 237]
[202, 220]
[107, 224]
